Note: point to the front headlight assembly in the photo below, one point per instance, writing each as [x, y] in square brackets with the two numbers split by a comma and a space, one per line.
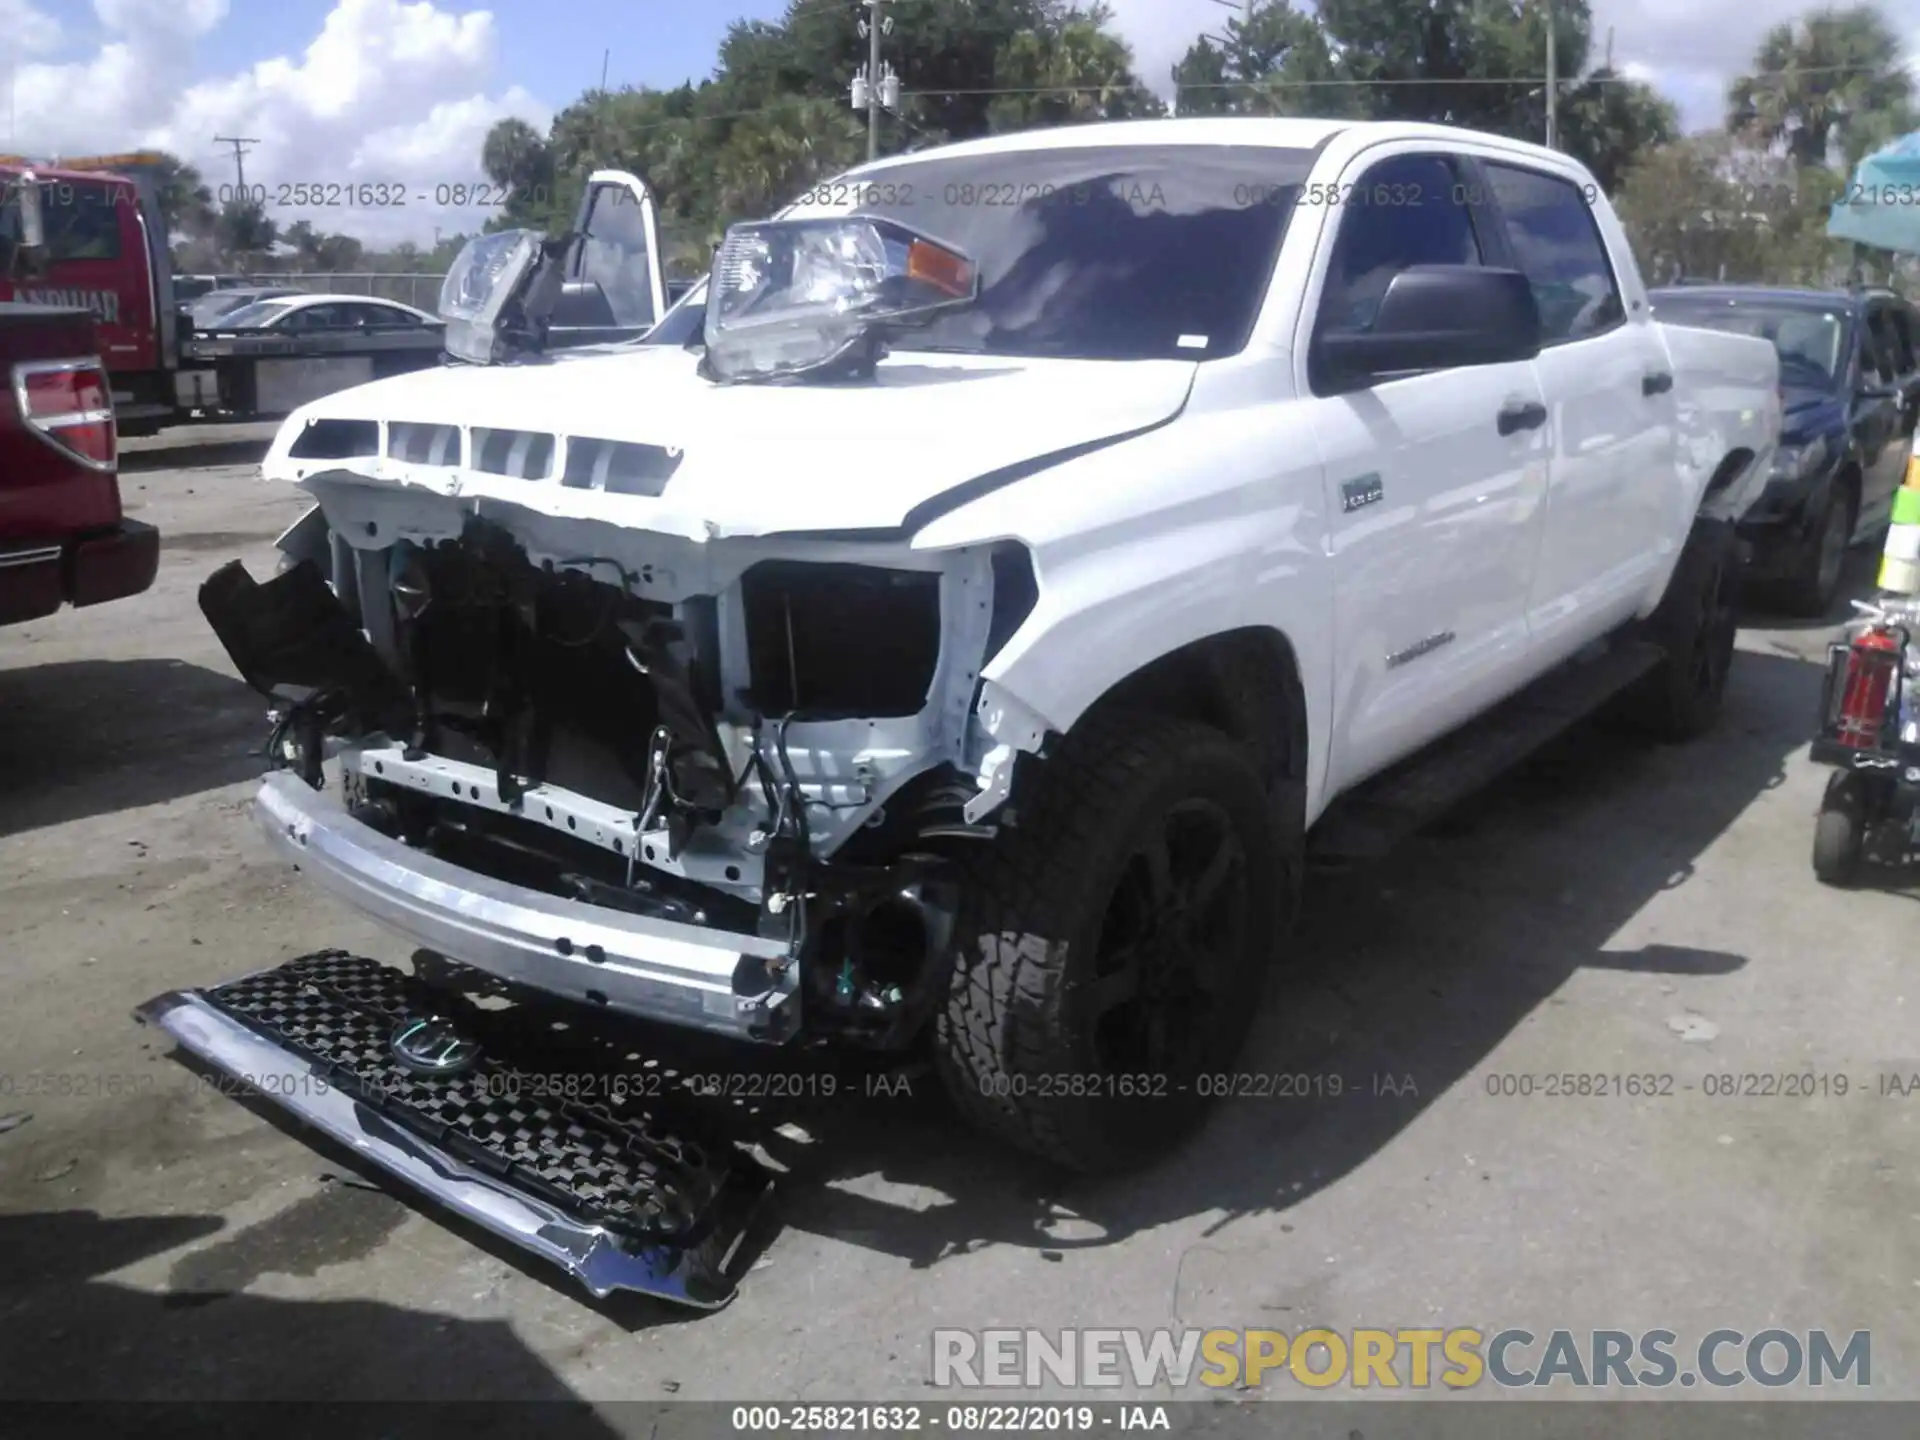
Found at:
[794, 297]
[1794, 464]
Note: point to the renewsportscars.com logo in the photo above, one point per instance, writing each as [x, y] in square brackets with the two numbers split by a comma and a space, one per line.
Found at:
[1458, 1358]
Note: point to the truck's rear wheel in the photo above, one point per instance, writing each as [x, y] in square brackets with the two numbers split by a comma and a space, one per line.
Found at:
[1111, 949]
[1696, 623]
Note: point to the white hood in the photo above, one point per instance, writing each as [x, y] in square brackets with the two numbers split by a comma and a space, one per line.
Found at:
[763, 459]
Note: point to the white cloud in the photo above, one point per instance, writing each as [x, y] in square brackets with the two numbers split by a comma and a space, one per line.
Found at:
[397, 93]
[1160, 32]
[25, 30]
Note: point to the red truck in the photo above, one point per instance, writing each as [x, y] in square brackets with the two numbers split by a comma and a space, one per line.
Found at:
[106, 250]
[63, 538]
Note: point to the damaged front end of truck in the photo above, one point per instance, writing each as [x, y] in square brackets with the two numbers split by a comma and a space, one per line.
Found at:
[584, 738]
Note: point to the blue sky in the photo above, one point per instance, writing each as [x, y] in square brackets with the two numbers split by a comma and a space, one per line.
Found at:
[652, 42]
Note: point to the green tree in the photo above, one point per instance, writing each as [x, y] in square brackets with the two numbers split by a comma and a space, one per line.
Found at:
[1826, 88]
[337, 253]
[1067, 74]
[1607, 121]
[1274, 61]
[185, 200]
[1476, 63]
[775, 115]
[243, 229]
[1716, 207]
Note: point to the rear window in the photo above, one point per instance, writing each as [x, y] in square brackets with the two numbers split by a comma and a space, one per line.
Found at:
[82, 220]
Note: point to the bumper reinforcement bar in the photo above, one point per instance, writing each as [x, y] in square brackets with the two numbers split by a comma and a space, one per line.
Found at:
[603, 1186]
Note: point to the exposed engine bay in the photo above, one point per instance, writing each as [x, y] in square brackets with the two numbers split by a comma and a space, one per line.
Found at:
[778, 750]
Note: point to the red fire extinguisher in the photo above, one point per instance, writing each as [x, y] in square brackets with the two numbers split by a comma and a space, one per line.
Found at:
[1868, 687]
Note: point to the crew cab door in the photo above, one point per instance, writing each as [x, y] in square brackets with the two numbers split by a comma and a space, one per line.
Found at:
[613, 288]
[1613, 438]
[1434, 479]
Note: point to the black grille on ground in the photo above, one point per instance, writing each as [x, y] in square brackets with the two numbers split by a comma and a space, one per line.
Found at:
[556, 1128]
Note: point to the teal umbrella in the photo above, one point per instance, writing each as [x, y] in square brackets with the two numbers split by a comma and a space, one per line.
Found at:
[1881, 206]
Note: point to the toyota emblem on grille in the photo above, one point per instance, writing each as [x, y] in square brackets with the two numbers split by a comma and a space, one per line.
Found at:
[433, 1047]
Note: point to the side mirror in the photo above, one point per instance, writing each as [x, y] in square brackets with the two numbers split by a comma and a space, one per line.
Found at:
[29, 258]
[1438, 317]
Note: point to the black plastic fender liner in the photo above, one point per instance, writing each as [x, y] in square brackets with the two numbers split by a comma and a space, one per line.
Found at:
[292, 631]
[611, 1194]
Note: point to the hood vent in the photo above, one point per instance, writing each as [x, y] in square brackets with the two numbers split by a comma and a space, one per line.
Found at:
[421, 444]
[619, 468]
[519, 454]
[616, 467]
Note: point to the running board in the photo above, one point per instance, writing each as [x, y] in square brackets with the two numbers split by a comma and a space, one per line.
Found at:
[1368, 821]
[585, 1173]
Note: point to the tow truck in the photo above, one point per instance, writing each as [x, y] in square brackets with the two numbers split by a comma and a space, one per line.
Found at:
[106, 250]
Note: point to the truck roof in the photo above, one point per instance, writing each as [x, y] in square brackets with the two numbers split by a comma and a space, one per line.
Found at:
[1280, 133]
[55, 172]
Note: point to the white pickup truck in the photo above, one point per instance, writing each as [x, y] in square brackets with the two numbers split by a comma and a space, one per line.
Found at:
[955, 625]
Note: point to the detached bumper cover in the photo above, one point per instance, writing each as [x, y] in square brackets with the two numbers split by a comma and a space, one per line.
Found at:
[636, 965]
[36, 579]
[597, 1186]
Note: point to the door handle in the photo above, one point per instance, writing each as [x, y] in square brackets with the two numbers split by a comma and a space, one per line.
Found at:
[1515, 415]
[1658, 384]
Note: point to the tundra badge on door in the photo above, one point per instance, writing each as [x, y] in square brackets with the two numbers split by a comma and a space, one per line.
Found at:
[1364, 491]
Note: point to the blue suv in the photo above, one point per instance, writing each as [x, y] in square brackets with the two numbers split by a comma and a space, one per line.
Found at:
[1850, 386]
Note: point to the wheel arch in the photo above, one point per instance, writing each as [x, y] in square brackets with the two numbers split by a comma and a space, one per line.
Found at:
[1246, 682]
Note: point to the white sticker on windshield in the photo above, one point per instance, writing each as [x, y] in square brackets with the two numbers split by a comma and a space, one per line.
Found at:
[1192, 342]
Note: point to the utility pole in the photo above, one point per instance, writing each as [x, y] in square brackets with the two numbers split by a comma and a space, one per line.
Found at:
[1553, 82]
[875, 88]
[239, 156]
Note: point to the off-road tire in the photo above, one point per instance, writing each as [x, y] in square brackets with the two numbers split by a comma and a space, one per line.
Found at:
[1810, 592]
[1013, 1044]
[1839, 831]
[1696, 622]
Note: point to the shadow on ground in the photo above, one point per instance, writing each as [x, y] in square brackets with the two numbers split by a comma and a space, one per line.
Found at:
[68, 1334]
[193, 454]
[89, 737]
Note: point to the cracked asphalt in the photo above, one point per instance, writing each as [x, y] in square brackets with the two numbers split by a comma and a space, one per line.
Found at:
[1611, 909]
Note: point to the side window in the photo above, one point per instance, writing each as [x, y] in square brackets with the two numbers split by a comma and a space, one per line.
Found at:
[1557, 244]
[378, 316]
[1405, 211]
[1900, 324]
[322, 317]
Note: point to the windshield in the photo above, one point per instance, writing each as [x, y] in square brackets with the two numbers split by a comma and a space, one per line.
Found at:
[248, 317]
[1109, 253]
[81, 219]
[1811, 343]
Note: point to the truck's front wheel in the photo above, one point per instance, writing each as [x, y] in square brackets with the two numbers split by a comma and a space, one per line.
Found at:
[1111, 948]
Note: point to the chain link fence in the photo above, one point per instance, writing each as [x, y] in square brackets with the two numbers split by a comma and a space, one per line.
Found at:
[422, 291]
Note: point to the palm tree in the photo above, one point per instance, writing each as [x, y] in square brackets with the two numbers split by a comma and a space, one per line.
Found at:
[1832, 82]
